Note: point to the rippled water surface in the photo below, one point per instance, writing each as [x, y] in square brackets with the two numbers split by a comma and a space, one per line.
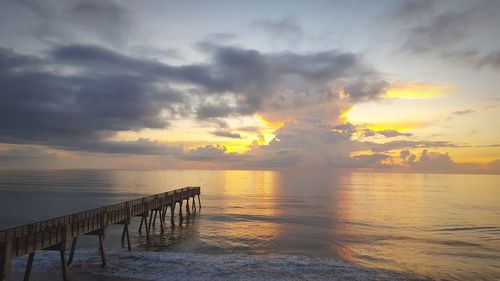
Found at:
[437, 226]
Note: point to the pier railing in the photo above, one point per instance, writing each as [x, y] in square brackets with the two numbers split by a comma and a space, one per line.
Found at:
[56, 232]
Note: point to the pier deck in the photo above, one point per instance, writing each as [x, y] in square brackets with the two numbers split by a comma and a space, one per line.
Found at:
[60, 233]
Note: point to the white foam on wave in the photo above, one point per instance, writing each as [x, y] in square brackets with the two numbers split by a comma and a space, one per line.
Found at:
[190, 266]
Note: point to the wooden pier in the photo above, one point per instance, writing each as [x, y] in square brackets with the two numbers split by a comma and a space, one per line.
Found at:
[60, 234]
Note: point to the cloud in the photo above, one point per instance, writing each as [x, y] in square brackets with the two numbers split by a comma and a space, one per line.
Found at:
[76, 111]
[410, 9]
[463, 112]
[304, 143]
[210, 153]
[25, 153]
[490, 145]
[492, 60]
[364, 91]
[393, 133]
[80, 96]
[448, 31]
[351, 129]
[429, 161]
[212, 111]
[97, 15]
[401, 144]
[69, 21]
[226, 134]
[285, 29]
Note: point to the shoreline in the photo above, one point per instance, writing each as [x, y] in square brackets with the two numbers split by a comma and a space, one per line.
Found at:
[142, 266]
[72, 276]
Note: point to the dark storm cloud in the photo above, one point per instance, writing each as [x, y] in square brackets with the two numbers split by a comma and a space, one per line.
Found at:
[76, 111]
[78, 97]
[257, 77]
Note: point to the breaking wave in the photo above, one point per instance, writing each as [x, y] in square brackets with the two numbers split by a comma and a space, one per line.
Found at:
[189, 266]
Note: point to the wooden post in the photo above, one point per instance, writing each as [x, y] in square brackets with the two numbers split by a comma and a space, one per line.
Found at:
[125, 227]
[27, 273]
[102, 232]
[128, 238]
[161, 221]
[140, 225]
[188, 211]
[72, 251]
[5, 251]
[199, 202]
[123, 233]
[146, 226]
[154, 218]
[64, 269]
[101, 250]
[62, 245]
[194, 205]
[150, 219]
[172, 211]
[180, 208]
[164, 212]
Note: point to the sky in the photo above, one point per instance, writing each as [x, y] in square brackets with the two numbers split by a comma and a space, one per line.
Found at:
[396, 86]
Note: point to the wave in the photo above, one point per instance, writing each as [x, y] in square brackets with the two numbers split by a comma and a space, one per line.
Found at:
[190, 266]
[470, 228]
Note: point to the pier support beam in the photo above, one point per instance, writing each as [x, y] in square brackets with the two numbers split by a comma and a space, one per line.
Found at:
[150, 218]
[64, 268]
[180, 209]
[5, 252]
[172, 211]
[27, 272]
[144, 220]
[101, 250]
[125, 234]
[72, 251]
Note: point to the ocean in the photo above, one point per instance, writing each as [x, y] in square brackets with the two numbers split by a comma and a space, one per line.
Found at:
[265, 225]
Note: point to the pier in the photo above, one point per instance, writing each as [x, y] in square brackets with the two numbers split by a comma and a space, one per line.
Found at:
[61, 233]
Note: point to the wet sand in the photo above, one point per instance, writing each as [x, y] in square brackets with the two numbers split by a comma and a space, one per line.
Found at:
[72, 276]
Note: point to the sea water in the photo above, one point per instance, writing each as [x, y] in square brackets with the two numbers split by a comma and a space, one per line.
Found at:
[264, 225]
